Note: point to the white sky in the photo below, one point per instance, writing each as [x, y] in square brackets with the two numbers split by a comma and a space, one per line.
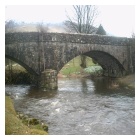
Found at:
[121, 24]
[117, 20]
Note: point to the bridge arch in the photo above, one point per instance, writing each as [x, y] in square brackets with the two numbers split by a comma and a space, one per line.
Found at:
[111, 66]
[30, 70]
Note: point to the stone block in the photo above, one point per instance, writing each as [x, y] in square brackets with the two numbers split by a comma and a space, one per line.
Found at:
[48, 79]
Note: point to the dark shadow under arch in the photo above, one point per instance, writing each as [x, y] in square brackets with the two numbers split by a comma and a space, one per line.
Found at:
[111, 66]
[30, 70]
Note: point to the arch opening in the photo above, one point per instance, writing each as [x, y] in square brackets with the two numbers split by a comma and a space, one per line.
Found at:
[73, 67]
[16, 73]
[30, 70]
[111, 66]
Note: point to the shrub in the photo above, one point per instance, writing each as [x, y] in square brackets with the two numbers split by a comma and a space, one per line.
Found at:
[94, 70]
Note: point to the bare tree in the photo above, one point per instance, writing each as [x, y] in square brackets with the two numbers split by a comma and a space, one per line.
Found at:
[42, 28]
[82, 22]
[10, 26]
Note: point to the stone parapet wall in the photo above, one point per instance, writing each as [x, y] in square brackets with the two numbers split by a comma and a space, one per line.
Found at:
[65, 37]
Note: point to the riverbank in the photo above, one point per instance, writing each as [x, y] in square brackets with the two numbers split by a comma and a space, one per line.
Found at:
[15, 126]
[128, 80]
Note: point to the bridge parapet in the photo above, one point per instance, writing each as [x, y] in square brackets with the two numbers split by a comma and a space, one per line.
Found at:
[67, 38]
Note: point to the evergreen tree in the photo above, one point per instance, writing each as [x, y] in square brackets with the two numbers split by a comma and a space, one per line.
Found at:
[101, 30]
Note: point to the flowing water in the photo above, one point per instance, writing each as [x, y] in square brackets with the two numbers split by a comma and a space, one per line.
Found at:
[79, 107]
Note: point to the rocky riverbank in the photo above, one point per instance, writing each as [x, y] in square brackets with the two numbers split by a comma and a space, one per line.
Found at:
[128, 80]
[19, 124]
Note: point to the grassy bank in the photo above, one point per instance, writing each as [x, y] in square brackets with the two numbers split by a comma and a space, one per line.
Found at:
[73, 67]
[15, 126]
[128, 80]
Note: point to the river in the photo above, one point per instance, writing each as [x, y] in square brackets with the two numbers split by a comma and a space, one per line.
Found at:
[79, 106]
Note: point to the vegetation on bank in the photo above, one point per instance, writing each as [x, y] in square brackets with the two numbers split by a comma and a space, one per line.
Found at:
[94, 70]
[16, 126]
[19, 75]
[16, 74]
[73, 67]
[128, 80]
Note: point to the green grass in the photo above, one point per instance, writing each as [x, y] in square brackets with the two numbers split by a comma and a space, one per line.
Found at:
[73, 66]
[14, 125]
[9, 64]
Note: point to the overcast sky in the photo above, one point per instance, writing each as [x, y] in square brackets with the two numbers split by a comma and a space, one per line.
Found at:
[116, 20]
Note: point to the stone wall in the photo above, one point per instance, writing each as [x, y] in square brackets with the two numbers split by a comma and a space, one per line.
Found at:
[65, 37]
[37, 52]
[48, 79]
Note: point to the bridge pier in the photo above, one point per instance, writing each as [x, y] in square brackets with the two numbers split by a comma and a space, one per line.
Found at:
[48, 79]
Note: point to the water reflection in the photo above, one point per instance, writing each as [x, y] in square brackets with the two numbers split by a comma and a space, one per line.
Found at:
[110, 87]
[79, 106]
[35, 92]
[87, 85]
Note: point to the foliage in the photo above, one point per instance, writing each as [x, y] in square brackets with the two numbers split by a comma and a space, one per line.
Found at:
[19, 77]
[10, 26]
[16, 74]
[94, 70]
[70, 70]
[73, 66]
[101, 30]
[42, 28]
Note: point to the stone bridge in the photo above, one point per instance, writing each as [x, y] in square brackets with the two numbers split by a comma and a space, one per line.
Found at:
[37, 52]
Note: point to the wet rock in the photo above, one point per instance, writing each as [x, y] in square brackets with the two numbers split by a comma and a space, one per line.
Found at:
[27, 120]
[45, 127]
[33, 121]
[20, 115]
